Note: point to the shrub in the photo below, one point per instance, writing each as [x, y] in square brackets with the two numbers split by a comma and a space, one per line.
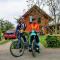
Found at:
[58, 42]
[51, 41]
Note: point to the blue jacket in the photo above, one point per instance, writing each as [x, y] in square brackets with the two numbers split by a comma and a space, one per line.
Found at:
[20, 26]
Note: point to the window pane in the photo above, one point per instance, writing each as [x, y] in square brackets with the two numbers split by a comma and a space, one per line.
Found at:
[31, 18]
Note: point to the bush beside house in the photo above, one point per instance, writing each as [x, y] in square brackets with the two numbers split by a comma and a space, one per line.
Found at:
[53, 41]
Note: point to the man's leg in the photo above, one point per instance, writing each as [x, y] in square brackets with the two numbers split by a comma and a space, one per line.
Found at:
[25, 40]
[38, 43]
[19, 39]
[30, 44]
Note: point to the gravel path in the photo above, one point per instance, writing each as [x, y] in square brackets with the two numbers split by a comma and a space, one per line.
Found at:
[46, 54]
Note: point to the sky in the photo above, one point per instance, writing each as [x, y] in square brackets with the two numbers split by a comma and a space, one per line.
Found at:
[11, 9]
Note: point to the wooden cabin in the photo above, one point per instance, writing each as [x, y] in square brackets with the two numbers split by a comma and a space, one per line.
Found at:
[36, 11]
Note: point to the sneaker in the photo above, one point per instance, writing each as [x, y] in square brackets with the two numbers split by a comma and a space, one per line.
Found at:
[30, 49]
[37, 50]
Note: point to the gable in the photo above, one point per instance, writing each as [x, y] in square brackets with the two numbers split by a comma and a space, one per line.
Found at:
[36, 10]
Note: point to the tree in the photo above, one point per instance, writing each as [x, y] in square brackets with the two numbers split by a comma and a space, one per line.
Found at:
[53, 8]
[5, 25]
[8, 25]
[1, 24]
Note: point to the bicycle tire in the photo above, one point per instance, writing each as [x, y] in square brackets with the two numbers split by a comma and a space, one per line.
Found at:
[15, 47]
[33, 49]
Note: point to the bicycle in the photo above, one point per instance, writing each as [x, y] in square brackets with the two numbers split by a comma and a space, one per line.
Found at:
[34, 46]
[17, 52]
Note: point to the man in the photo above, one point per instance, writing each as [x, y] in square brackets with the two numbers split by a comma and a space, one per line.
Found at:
[34, 26]
[20, 31]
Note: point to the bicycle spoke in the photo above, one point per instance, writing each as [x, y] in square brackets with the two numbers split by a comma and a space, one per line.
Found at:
[16, 51]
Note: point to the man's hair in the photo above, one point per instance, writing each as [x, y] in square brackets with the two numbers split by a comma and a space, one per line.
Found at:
[21, 18]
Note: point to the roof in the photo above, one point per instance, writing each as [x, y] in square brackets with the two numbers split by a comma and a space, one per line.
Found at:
[39, 10]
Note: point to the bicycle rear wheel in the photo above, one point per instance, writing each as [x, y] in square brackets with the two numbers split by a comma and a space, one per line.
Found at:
[33, 49]
[17, 52]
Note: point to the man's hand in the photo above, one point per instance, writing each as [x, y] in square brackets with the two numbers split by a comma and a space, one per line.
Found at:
[21, 30]
[17, 34]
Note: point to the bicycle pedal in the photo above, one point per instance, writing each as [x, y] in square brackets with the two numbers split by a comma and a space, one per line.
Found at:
[30, 50]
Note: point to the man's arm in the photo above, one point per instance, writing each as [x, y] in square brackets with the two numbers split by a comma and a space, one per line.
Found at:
[25, 26]
[17, 29]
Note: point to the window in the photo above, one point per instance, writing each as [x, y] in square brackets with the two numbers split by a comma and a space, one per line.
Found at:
[39, 20]
[30, 18]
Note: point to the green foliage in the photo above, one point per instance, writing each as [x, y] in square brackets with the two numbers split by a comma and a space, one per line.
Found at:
[43, 40]
[5, 25]
[53, 41]
[58, 42]
[3, 42]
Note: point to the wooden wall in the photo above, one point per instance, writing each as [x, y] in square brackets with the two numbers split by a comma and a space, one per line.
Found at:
[44, 21]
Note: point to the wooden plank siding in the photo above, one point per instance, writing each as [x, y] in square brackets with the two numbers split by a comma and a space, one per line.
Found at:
[36, 11]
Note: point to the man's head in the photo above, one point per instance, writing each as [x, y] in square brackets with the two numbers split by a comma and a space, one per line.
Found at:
[21, 20]
[34, 20]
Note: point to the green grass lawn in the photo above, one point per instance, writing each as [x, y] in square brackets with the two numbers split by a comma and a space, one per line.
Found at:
[4, 41]
[43, 40]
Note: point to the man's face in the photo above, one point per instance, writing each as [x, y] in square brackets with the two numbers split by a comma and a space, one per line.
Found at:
[34, 21]
[19, 21]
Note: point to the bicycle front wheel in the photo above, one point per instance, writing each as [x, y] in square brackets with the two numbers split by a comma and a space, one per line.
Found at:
[17, 52]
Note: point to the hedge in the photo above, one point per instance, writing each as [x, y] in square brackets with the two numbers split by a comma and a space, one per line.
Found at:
[53, 41]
